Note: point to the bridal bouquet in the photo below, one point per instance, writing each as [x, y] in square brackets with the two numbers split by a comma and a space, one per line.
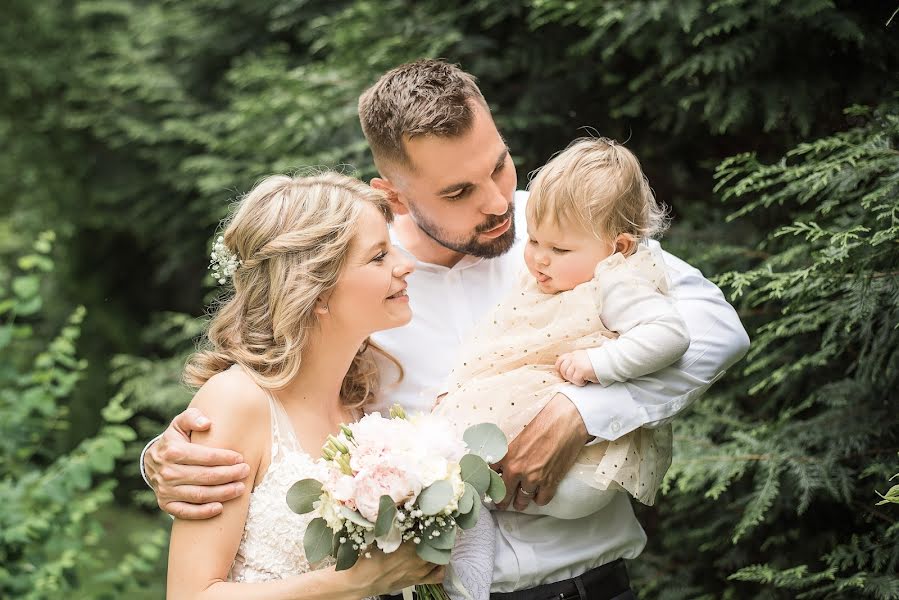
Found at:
[399, 480]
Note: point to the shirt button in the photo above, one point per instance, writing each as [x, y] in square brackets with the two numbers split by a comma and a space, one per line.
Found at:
[615, 427]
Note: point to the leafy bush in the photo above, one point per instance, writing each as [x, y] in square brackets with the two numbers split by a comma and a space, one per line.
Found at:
[51, 541]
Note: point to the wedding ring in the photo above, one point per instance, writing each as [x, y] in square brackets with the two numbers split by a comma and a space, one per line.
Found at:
[524, 492]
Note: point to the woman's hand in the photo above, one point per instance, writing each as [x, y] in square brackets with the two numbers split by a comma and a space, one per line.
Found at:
[387, 573]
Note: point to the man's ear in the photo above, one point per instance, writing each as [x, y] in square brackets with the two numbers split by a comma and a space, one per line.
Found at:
[397, 202]
[625, 243]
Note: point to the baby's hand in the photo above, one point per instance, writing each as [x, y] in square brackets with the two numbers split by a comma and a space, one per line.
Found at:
[576, 367]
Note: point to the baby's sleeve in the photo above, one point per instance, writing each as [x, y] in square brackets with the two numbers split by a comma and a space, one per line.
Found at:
[652, 334]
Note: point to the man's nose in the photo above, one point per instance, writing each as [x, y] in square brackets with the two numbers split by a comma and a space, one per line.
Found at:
[496, 203]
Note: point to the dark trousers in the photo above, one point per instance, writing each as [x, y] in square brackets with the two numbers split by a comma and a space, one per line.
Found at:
[606, 582]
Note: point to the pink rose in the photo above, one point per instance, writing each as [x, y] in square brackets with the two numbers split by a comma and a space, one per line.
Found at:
[381, 480]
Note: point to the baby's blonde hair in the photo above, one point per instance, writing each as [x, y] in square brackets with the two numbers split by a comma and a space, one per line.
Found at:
[292, 235]
[598, 184]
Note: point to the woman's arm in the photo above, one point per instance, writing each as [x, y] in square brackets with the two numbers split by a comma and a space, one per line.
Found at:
[201, 552]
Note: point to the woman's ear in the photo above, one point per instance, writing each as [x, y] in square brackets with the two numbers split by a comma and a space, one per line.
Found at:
[397, 203]
[626, 244]
[321, 307]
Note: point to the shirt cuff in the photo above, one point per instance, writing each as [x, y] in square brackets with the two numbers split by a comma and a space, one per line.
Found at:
[143, 472]
[608, 412]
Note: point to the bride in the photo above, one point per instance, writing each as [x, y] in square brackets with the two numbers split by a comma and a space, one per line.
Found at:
[287, 360]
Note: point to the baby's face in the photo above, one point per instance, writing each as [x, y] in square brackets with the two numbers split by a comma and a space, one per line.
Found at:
[562, 256]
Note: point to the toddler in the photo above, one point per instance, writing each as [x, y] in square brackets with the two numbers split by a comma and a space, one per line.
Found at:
[591, 307]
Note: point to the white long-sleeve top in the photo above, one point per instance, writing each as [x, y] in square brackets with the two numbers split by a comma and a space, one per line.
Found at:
[652, 334]
[533, 549]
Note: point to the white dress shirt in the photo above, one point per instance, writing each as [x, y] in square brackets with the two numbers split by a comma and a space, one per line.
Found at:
[533, 549]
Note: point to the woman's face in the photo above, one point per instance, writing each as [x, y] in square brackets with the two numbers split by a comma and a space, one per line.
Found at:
[371, 292]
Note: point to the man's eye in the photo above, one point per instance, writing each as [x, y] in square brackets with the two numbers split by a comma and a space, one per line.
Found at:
[460, 194]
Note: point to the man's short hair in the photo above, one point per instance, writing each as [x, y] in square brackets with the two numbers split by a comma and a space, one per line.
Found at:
[425, 97]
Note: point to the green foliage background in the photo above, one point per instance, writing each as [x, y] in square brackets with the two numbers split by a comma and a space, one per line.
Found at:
[770, 126]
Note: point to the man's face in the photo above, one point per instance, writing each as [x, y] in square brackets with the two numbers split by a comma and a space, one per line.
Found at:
[459, 190]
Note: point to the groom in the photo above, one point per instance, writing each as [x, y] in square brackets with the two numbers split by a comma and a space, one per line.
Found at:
[451, 182]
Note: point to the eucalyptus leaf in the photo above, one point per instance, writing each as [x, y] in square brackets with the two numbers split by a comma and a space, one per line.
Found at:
[433, 555]
[346, 556]
[435, 497]
[303, 494]
[317, 540]
[445, 539]
[497, 489]
[468, 499]
[355, 517]
[487, 441]
[468, 520]
[386, 514]
[476, 472]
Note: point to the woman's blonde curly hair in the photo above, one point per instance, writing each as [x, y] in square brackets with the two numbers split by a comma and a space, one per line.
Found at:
[292, 235]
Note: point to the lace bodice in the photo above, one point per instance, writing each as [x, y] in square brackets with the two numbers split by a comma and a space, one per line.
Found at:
[272, 542]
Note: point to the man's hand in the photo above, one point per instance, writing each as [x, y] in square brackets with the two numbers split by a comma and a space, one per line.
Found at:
[191, 481]
[542, 454]
[576, 368]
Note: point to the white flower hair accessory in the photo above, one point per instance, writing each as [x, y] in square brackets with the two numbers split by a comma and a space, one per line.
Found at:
[222, 262]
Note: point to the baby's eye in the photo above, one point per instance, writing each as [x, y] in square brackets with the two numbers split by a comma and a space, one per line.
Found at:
[560, 250]
[532, 241]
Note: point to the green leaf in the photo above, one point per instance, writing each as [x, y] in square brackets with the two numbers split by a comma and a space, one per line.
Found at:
[303, 494]
[468, 520]
[386, 514]
[497, 489]
[435, 497]
[476, 472]
[29, 307]
[469, 497]
[26, 286]
[487, 441]
[317, 540]
[356, 518]
[433, 555]
[445, 539]
[346, 556]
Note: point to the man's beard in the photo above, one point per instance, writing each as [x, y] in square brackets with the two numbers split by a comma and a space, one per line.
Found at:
[491, 249]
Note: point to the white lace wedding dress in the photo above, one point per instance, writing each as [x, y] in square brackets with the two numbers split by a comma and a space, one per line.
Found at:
[272, 542]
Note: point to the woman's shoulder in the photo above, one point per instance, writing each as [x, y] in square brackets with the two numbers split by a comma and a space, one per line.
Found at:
[231, 399]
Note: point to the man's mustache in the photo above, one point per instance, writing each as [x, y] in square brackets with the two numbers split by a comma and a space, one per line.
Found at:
[496, 221]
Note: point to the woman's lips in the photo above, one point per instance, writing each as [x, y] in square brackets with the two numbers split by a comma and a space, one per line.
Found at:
[400, 296]
[499, 229]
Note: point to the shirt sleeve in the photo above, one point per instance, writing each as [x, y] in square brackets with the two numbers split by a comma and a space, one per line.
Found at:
[652, 334]
[717, 341]
[143, 453]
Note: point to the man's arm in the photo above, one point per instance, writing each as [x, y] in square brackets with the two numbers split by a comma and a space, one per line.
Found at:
[191, 481]
[541, 455]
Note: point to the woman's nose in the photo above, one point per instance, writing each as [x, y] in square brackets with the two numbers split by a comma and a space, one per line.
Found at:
[404, 266]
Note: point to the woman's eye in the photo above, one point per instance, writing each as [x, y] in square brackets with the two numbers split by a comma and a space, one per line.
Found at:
[381, 256]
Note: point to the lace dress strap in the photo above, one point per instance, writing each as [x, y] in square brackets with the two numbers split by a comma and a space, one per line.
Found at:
[284, 438]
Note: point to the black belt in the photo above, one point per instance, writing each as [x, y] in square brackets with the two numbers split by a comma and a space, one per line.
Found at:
[606, 582]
